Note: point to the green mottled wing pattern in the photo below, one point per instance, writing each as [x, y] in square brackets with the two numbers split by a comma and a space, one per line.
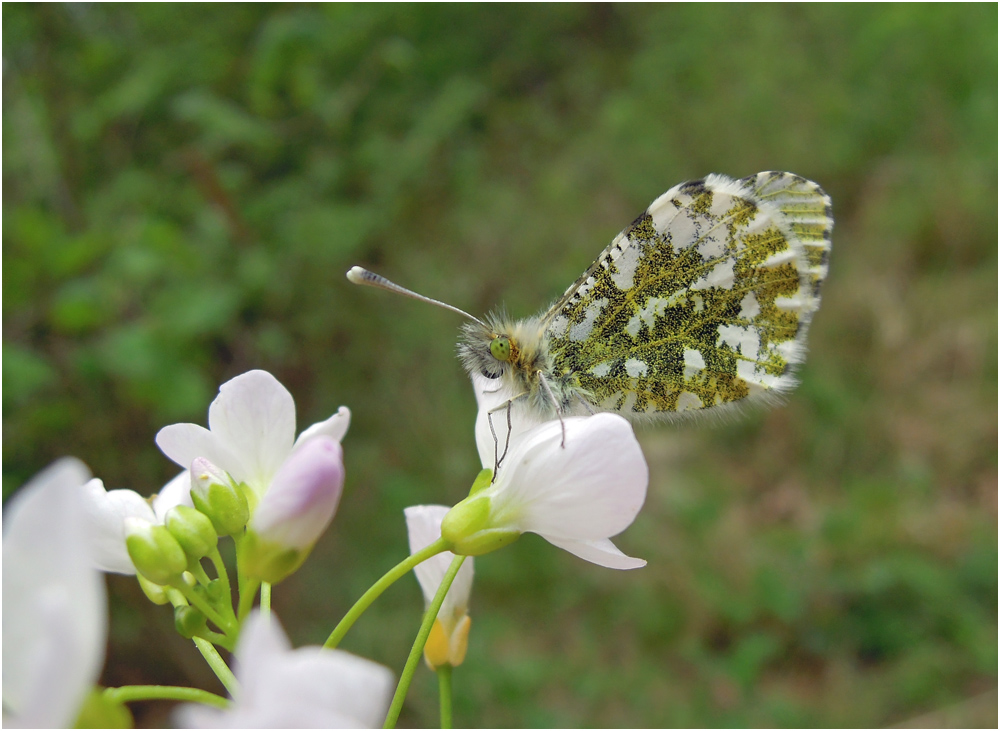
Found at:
[702, 302]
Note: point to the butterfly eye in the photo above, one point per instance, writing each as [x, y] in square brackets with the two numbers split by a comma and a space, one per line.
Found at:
[500, 348]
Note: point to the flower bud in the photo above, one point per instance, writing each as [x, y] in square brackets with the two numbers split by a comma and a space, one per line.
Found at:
[215, 495]
[469, 528]
[154, 592]
[295, 510]
[444, 648]
[156, 554]
[215, 591]
[100, 711]
[449, 636]
[188, 621]
[193, 531]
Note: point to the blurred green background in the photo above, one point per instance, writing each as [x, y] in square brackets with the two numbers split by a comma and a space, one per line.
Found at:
[185, 186]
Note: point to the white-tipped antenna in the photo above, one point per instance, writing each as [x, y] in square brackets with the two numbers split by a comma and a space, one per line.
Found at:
[360, 275]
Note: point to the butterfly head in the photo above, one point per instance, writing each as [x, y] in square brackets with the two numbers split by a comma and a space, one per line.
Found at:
[500, 347]
[486, 349]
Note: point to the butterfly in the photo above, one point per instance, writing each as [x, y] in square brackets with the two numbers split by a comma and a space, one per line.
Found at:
[701, 304]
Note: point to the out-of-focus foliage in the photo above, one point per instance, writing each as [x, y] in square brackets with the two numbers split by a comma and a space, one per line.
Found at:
[184, 188]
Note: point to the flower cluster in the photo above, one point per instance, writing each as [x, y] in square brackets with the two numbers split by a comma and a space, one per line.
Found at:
[575, 481]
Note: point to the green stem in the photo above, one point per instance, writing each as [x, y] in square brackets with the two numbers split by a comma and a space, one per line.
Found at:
[218, 665]
[444, 691]
[406, 677]
[198, 571]
[397, 571]
[248, 592]
[220, 571]
[265, 599]
[207, 609]
[223, 576]
[130, 693]
[215, 638]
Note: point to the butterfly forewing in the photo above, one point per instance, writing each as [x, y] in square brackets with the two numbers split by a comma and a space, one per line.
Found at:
[704, 300]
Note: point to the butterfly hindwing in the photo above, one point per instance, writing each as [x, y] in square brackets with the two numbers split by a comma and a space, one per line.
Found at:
[703, 301]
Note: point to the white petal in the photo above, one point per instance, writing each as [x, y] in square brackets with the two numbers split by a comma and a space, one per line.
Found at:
[105, 513]
[254, 416]
[335, 427]
[55, 613]
[423, 525]
[494, 403]
[174, 493]
[183, 443]
[261, 642]
[591, 488]
[305, 688]
[602, 552]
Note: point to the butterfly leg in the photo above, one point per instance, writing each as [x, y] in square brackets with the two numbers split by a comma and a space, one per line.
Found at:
[498, 458]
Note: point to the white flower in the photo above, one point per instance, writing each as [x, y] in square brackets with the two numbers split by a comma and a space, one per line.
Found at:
[448, 640]
[55, 606]
[107, 510]
[251, 431]
[306, 688]
[576, 488]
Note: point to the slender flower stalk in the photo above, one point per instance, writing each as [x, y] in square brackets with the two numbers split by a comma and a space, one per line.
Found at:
[449, 635]
[132, 693]
[218, 665]
[444, 694]
[406, 677]
[391, 576]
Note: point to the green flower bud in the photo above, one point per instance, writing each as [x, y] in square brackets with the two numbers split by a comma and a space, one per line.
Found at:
[154, 592]
[468, 527]
[156, 554]
[99, 711]
[193, 530]
[188, 621]
[215, 495]
[215, 591]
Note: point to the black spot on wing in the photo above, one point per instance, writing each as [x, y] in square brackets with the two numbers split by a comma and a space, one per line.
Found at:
[693, 187]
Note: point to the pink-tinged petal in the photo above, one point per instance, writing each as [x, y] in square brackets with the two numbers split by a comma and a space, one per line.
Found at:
[174, 493]
[306, 688]
[303, 496]
[183, 443]
[589, 489]
[335, 428]
[602, 552]
[55, 613]
[423, 526]
[105, 513]
[254, 416]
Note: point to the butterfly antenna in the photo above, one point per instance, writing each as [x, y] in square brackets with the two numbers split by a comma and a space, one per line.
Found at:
[360, 275]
